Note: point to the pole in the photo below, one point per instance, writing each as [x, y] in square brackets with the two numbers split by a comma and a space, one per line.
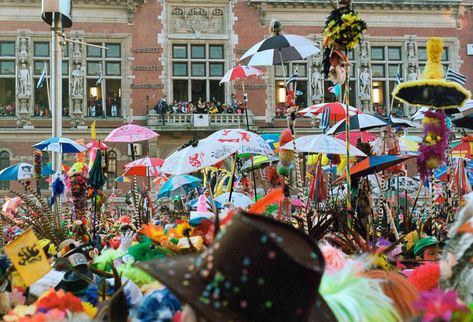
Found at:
[245, 100]
[56, 87]
[347, 140]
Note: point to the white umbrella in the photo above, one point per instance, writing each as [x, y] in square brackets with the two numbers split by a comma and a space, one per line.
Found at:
[199, 155]
[359, 122]
[403, 122]
[243, 141]
[322, 144]
[241, 72]
[238, 199]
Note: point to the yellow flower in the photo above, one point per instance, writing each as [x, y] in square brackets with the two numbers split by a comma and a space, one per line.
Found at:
[155, 233]
[89, 309]
[183, 229]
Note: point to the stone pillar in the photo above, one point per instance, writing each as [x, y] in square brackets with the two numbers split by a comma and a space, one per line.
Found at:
[77, 86]
[412, 71]
[365, 78]
[24, 83]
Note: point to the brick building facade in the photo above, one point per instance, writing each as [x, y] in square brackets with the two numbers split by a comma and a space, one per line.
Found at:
[182, 49]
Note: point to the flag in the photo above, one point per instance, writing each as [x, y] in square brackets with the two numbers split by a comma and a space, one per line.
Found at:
[398, 77]
[453, 76]
[291, 79]
[28, 257]
[100, 79]
[42, 77]
[325, 119]
[93, 132]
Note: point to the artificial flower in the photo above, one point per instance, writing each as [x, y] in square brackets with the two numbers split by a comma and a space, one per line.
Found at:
[183, 230]
[89, 309]
[439, 305]
[155, 233]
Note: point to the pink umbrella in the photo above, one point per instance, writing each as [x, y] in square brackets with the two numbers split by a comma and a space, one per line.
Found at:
[130, 133]
[337, 110]
[241, 72]
[96, 145]
[146, 167]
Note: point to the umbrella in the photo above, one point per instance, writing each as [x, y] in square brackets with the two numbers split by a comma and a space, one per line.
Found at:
[375, 164]
[96, 177]
[61, 145]
[121, 179]
[278, 49]
[241, 72]
[403, 122]
[178, 183]
[130, 133]
[146, 167]
[244, 141]
[160, 180]
[419, 115]
[356, 135]
[337, 110]
[259, 161]
[19, 171]
[464, 121]
[198, 155]
[271, 139]
[359, 122]
[66, 166]
[238, 199]
[408, 145]
[463, 148]
[322, 143]
[193, 203]
[96, 145]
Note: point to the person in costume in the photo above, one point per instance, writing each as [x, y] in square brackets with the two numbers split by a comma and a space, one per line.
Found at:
[427, 249]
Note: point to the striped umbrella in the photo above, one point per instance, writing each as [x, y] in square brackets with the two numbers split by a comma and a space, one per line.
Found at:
[241, 72]
[61, 145]
[359, 122]
[356, 135]
[375, 164]
[146, 167]
[322, 143]
[337, 110]
[121, 179]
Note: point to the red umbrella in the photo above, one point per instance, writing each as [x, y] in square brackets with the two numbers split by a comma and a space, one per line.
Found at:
[464, 148]
[375, 163]
[337, 110]
[241, 72]
[355, 135]
[146, 167]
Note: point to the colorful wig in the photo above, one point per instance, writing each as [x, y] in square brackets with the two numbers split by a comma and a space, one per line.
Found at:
[398, 288]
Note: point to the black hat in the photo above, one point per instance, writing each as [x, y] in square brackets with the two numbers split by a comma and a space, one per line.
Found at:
[258, 269]
[78, 277]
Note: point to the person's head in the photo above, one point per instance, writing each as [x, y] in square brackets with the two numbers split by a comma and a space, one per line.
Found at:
[243, 275]
[427, 249]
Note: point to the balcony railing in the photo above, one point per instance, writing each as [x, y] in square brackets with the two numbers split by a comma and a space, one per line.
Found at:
[198, 120]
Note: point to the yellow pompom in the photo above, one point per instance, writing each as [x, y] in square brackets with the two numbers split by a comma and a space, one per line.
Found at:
[428, 139]
[432, 163]
[433, 68]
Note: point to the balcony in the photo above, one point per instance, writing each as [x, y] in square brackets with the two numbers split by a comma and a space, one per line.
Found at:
[197, 121]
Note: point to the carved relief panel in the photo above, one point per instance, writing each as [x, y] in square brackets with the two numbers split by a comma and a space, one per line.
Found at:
[198, 21]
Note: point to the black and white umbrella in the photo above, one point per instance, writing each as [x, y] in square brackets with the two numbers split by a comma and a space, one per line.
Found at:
[359, 122]
[403, 122]
[279, 49]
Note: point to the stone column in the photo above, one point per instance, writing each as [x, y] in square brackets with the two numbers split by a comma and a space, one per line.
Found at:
[412, 71]
[365, 78]
[24, 83]
[77, 86]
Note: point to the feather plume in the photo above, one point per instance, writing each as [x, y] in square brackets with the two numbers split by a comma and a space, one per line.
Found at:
[433, 68]
[353, 298]
[274, 197]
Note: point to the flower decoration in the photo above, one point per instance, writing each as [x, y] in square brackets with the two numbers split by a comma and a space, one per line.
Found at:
[439, 305]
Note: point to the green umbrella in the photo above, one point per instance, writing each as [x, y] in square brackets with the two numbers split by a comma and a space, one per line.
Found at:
[96, 181]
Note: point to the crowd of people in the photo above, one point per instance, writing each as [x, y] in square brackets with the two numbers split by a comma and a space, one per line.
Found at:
[214, 106]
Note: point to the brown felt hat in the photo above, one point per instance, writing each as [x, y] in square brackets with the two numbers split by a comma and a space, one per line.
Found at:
[258, 269]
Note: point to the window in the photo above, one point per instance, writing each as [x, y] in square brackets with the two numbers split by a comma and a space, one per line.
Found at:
[104, 80]
[40, 63]
[111, 169]
[300, 85]
[4, 163]
[7, 78]
[196, 72]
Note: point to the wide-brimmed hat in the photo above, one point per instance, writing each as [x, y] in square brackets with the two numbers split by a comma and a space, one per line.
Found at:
[258, 269]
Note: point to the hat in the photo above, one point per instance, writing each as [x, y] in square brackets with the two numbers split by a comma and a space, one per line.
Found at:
[257, 269]
[424, 243]
[78, 277]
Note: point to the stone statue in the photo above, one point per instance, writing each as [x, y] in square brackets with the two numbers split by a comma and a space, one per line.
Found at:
[23, 54]
[24, 81]
[77, 79]
[365, 83]
[412, 74]
[364, 53]
[76, 53]
[411, 52]
[317, 85]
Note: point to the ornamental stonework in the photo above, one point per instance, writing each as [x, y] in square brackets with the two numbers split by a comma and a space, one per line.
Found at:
[198, 21]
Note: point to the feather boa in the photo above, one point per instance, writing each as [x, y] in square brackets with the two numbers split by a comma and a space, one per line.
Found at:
[432, 149]
[426, 277]
[353, 298]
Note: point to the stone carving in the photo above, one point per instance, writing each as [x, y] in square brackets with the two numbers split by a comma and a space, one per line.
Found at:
[197, 20]
[412, 74]
[77, 81]
[23, 50]
[364, 53]
[317, 84]
[131, 7]
[365, 84]
[24, 81]
[411, 53]
[76, 52]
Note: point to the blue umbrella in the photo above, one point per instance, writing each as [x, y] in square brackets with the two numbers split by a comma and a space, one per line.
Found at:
[193, 203]
[19, 171]
[177, 184]
[61, 145]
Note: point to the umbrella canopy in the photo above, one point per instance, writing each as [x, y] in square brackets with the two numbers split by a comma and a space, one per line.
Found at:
[96, 145]
[241, 72]
[177, 184]
[146, 167]
[463, 148]
[359, 122]
[121, 179]
[199, 155]
[408, 145]
[131, 133]
[271, 139]
[193, 203]
[355, 135]
[375, 164]
[159, 180]
[238, 199]
[259, 161]
[419, 114]
[403, 122]
[19, 171]
[244, 141]
[337, 110]
[61, 145]
[322, 143]
[464, 121]
[96, 177]
[271, 50]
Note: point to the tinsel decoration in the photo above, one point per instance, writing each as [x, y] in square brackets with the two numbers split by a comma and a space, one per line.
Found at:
[433, 147]
[37, 155]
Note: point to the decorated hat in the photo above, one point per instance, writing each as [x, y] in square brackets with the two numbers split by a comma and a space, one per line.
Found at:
[78, 277]
[424, 243]
[432, 89]
[257, 269]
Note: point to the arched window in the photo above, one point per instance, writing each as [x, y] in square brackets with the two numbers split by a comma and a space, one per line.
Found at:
[43, 184]
[4, 162]
[111, 169]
